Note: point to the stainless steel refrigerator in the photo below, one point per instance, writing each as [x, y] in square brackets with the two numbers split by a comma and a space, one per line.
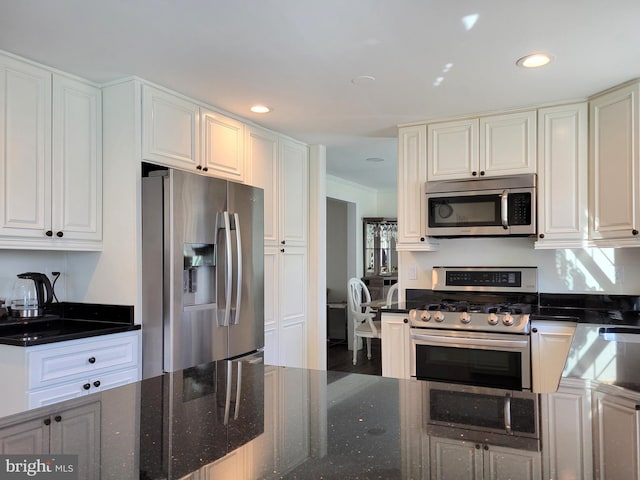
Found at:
[202, 270]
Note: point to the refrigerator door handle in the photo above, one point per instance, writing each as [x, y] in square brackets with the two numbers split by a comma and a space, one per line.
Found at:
[238, 389]
[229, 270]
[227, 399]
[236, 317]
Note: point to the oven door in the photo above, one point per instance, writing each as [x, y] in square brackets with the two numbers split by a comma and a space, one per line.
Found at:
[471, 358]
[483, 212]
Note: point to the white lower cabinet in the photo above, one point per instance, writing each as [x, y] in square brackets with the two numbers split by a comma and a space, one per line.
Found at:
[550, 343]
[459, 460]
[74, 431]
[47, 374]
[567, 432]
[616, 435]
[395, 345]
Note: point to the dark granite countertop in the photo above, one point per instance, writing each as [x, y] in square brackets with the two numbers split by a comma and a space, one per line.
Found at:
[67, 321]
[285, 423]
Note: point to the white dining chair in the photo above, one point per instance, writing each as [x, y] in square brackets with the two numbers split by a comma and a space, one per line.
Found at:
[363, 323]
[393, 292]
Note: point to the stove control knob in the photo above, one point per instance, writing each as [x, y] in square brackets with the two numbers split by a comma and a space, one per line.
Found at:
[465, 317]
[426, 316]
[492, 319]
[507, 319]
[438, 317]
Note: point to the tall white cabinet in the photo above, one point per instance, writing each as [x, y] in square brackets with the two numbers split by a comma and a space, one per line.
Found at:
[51, 160]
[280, 166]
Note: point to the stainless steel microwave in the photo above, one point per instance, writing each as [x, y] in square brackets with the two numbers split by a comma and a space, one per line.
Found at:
[496, 206]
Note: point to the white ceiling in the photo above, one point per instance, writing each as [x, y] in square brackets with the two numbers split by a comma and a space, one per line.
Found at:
[300, 56]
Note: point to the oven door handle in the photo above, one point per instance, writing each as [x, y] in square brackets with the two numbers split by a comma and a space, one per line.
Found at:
[469, 342]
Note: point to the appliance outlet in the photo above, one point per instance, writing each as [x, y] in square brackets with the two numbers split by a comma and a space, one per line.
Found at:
[413, 272]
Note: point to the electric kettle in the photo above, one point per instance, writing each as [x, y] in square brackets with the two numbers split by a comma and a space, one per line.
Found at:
[32, 292]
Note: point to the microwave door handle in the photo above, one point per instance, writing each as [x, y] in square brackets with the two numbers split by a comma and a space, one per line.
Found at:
[507, 413]
[239, 269]
[504, 209]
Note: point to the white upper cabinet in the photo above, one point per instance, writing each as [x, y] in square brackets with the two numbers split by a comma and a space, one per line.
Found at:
[170, 129]
[562, 176]
[412, 201]
[614, 163]
[294, 192]
[453, 149]
[222, 143]
[51, 161]
[494, 145]
[77, 160]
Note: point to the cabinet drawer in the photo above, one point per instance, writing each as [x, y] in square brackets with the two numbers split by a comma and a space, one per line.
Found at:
[83, 360]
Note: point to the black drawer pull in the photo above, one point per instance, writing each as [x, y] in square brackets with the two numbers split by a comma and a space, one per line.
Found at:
[49, 233]
[86, 386]
[92, 360]
[96, 383]
[59, 234]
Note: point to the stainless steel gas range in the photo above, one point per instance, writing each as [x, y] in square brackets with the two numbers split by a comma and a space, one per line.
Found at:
[471, 342]
[476, 331]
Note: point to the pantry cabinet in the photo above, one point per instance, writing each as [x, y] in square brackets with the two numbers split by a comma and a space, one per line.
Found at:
[459, 459]
[395, 345]
[51, 160]
[280, 167]
[614, 163]
[412, 201]
[503, 144]
[562, 176]
[74, 431]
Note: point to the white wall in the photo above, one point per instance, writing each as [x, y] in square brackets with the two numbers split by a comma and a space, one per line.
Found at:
[590, 270]
[13, 262]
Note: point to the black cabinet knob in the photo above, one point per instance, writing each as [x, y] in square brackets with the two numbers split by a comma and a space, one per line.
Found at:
[534, 330]
[422, 239]
[406, 320]
[282, 250]
[482, 173]
[477, 446]
[541, 235]
[475, 174]
[205, 169]
[199, 167]
[49, 233]
[86, 386]
[96, 383]
[92, 360]
[283, 242]
[47, 421]
[59, 234]
[634, 232]
[58, 418]
[486, 447]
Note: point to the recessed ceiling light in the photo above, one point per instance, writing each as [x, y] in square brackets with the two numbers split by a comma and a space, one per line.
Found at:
[260, 109]
[534, 60]
[375, 159]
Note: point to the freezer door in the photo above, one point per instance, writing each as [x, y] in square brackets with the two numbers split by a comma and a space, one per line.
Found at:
[246, 212]
[193, 333]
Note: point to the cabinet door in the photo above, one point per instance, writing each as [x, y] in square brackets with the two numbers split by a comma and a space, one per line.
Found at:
[453, 149]
[567, 433]
[508, 144]
[170, 129]
[412, 174]
[395, 346]
[292, 309]
[77, 431]
[230, 466]
[294, 192]
[222, 143]
[77, 161]
[294, 410]
[25, 149]
[502, 463]
[614, 161]
[617, 437]
[550, 343]
[455, 460]
[262, 153]
[271, 305]
[562, 176]
[25, 438]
